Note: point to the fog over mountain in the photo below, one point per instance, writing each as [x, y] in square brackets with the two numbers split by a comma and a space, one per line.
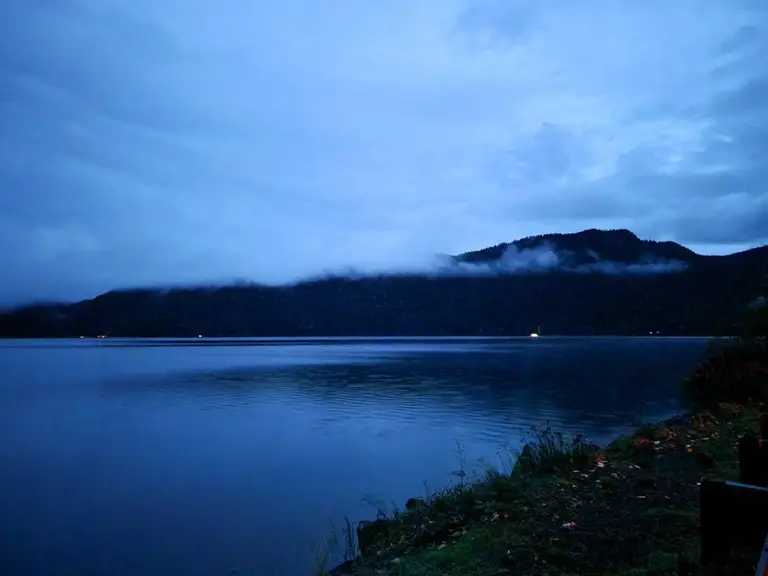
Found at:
[592, 282]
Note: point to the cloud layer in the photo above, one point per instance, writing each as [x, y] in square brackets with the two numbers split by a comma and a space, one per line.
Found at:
[187, 141]
[545, 258]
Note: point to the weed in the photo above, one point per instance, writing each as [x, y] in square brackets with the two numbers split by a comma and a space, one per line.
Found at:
[547, 452]
[461, 473]
[378, 505]
[341, 544]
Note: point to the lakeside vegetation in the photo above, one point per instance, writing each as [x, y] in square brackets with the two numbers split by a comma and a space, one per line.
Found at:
[570, 507]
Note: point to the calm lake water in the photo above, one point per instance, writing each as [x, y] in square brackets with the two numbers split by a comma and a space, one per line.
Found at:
[212, 457]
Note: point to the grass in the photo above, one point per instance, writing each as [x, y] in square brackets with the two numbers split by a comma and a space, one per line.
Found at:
[570, 507]
[631, 508]
[547, 451]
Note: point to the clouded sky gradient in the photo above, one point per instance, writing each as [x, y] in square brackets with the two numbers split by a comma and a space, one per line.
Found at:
[179, 141]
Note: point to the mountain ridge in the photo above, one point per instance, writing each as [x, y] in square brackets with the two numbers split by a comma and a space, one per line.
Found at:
[619, 245]
[591, 282]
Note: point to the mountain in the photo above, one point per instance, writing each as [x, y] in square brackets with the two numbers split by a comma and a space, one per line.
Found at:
[590, 246]
[592, 282]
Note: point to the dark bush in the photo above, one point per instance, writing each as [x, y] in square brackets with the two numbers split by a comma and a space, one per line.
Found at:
[736, 369]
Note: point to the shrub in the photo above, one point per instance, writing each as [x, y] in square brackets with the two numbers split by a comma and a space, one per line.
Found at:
[735, 371]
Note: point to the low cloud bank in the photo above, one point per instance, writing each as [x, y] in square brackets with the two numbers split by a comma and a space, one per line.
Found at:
[513, 261]
[516, 261]
[545, 258]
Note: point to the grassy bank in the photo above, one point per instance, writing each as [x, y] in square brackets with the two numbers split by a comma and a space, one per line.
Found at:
[569, 507]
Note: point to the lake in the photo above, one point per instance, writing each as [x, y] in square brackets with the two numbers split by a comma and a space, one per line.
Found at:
[236, 456]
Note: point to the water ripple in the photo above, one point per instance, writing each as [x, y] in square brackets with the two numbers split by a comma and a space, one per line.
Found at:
[181, 448]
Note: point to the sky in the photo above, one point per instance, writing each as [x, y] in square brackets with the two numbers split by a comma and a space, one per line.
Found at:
[192, 141]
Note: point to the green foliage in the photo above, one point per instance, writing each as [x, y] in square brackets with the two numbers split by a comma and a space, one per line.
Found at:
[756, 320]
[735, 370]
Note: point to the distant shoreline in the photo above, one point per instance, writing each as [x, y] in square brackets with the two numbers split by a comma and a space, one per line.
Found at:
[339, 339]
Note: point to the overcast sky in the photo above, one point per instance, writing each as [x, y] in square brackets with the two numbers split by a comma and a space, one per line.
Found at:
[146, 142]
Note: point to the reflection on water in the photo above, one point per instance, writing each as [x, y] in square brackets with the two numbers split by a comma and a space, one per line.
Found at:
[203, 457]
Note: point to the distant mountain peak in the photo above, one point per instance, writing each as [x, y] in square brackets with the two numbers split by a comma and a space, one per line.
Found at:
[590, 246]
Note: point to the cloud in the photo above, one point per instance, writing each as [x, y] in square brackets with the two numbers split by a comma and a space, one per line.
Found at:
[184, 141]
[543, 258]
[546, 258]
[515, 261]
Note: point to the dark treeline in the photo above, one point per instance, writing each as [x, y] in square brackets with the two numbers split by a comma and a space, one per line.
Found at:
[708, 298]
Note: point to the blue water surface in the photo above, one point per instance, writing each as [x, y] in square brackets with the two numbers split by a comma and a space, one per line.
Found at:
[127, 457]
